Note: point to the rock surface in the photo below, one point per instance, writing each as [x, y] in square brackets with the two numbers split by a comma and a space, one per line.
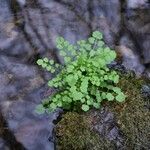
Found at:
[28, 30]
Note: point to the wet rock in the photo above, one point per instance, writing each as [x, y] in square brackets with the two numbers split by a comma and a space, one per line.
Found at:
[130, 60]
[137, 24]
[136, 3]
[106, 18]
[20, 92]
[146, 90]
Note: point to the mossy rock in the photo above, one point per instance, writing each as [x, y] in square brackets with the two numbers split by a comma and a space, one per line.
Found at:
[74, 131]
[132, 116]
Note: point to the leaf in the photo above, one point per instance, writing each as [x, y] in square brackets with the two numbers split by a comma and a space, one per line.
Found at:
[52, 70]
[62, 53]
[44, 65]
[77, 95]
[40, 109]
[82, 100]
[116, 90]
[48, 68]
[51, 62]
[97, 35]
[100, 43]
[85, 107]
[39, 61]
[105, 77]
[82, 68]
[96, 105]
[103, 95]
[95, 63]
[67, 59]
[91, 40]
[71, 80]
[70, 48]
[70, 68]
[45, 59]
[120, 97]
[116, 79]
[110, 97]
[89, 102]
[59, 40]
[88, 46]
[50, 83]
[84, 85]
[59, 46]
[59, 104]
[73, 89]
[92, 53]
[53, 106]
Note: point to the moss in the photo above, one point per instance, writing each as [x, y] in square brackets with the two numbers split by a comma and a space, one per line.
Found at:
[132, 116]
[74, 133]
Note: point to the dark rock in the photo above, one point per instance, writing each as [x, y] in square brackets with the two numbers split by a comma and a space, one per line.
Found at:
[146, 90]
[105, 124]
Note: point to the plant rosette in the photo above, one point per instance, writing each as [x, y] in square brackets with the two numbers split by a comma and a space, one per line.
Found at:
[84, 80]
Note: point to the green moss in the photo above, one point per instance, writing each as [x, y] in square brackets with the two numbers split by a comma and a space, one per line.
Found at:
[74, 133]
[132, 116]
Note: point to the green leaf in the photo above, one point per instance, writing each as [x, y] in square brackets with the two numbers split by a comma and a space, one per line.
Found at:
[45, 59]
[40, 109]
[48, 68]
[117, 90]
[92, 53]
[105, 77]
[70, 48]
[103, 95]
[110, 97]
[51, 62]
[87, 46]
[91, 40]
[62, 53]
[60, 40]
[96, 105]
[77, 95]
[59, 46]
[83, 100]
[71, 80]
[85, 107]
[50, 83]
[73, 89]
[70, 68]
[53, 106]
[100, 43]
[67, 59]
[39, 61]
[84, 85]
[97, 35]
[120, 97]
[52, 70]
[89, 102]
[116, 79]
[44, 65]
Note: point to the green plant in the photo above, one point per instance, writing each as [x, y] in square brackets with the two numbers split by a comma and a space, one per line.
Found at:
[84, 80]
